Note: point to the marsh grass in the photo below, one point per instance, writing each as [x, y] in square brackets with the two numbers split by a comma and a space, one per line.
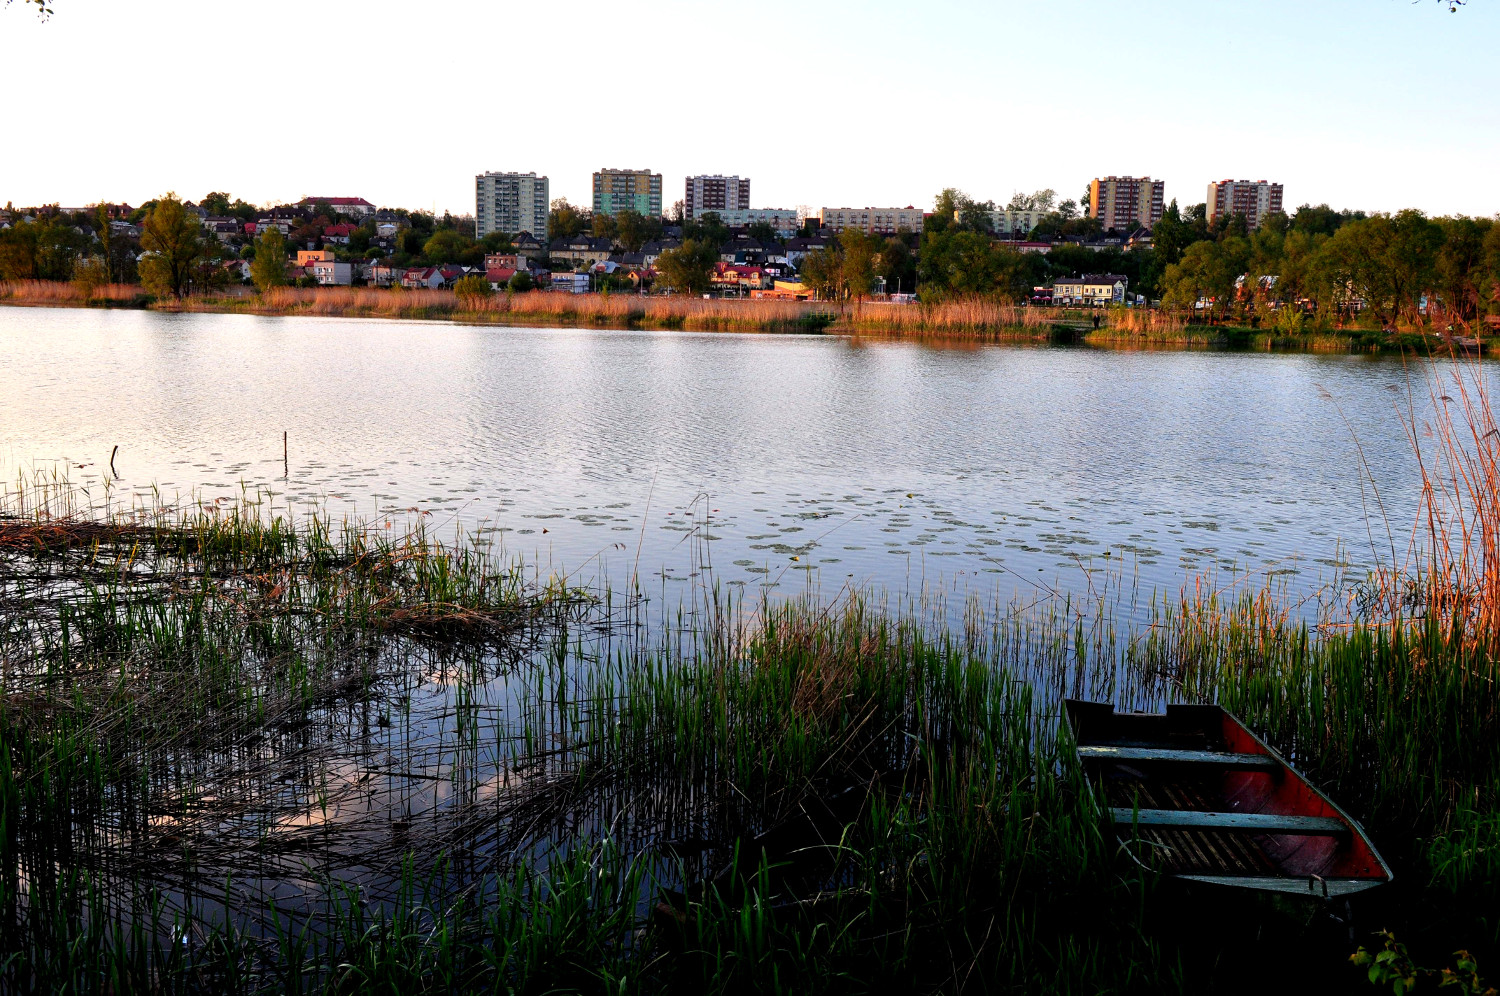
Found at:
[220, 773]
[54, 292]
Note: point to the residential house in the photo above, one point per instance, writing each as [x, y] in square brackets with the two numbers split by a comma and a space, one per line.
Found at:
[332, 273]
[339, 233]
[1091, 289]
[652, 251]
[306, 257]
[581, 249]
[341, 205]
[384, 274]
[734, 278]
[499, 276]
[224, 228]
[505, 260]
[271, 221]
[422, 277]
[797, 249]
[573, 283]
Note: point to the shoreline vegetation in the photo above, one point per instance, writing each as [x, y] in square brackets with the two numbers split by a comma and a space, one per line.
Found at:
[962, 319]
[248, 751]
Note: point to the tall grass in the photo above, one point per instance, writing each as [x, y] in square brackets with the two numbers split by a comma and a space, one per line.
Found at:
[54, 292]
[477, 781]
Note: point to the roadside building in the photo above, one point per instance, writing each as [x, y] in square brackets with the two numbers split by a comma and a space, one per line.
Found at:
[877, 221]
[617, 190]
[784, 290]
[1092, 289]
[1253, 200]
[715, 193]
[511, 203]
[1124, 203]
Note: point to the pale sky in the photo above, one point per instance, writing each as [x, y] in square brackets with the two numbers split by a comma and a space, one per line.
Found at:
[1373, 104]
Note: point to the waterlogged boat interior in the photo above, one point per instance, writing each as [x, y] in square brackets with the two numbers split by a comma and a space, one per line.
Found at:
[1196, 795]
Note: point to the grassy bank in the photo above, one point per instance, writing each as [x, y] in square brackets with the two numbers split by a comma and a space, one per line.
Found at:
[243, 750]
[971, 319]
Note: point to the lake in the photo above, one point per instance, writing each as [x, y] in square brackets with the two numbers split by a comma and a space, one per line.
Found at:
[753, 460]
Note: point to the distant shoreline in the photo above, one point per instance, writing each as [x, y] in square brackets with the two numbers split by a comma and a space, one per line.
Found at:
[966, 321]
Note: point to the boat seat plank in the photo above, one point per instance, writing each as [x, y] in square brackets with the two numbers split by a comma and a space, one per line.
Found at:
[1252, 822]
[1224, 759]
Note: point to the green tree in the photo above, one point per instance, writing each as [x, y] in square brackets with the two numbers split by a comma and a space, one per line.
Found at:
[1205, 273]
[520, 282]
[690, 267]
[898, 265]
[707, 228]
[634, 230]
[564, 221]
[1460, 265]
[822, 270]
[172, 244]
[268, 268]
[473, 289]
[448, 245]
[857, 269]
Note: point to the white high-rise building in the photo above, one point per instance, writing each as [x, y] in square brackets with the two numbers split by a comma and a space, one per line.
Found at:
[511, 203]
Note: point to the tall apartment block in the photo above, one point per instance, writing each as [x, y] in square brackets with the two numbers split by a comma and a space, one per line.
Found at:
[511, 203]
[1122, 203]
[637, 190]
[715, 193]
[1254, 199]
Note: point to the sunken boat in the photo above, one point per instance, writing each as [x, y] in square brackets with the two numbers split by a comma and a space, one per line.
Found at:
[1197, 796]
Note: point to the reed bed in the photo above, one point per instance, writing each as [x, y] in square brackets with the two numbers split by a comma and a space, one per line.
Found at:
[229, 762]
[611, 310]
[1148, 323]
[54, 292]
[963, 317]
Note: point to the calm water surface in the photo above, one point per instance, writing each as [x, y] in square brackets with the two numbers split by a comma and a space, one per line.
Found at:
[797, 458]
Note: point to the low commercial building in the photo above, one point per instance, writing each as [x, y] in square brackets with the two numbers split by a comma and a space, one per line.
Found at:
[876, 221]
[1092, 289]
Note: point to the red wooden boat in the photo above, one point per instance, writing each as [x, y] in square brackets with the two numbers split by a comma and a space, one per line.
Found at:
[1199, 797]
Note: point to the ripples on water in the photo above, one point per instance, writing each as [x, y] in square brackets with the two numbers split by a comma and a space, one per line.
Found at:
[802, 459]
